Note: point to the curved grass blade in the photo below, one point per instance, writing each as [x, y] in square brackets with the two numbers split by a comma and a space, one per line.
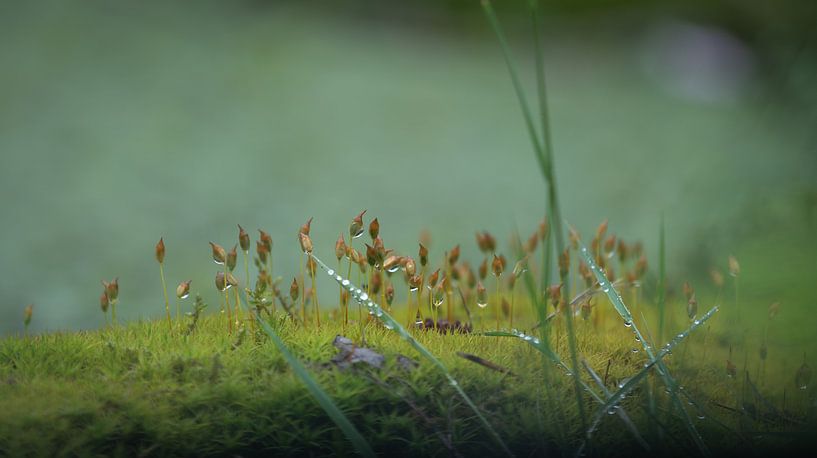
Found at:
[624, 312]
[619, 411]
[390, 323]
[616, 397]
[334, 412]
[553, 357]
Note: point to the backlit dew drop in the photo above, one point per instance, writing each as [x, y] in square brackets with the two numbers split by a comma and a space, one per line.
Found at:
[363, 296]
[482, 305]
[803, 377]
[330, 272]
[627, 324]
[184, 296]
[338, 278]
[635, 350]
[345, 282]
[394, 269]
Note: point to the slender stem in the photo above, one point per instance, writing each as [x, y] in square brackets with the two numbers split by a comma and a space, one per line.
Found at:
[303, 286]
[227, 301]
[498, 301]
[164, 289]
[513, 297]
[237, 309]
[344, 308]
[408, 306]
[661, 279]
[247, 286]
[448, 305]
[315, 296]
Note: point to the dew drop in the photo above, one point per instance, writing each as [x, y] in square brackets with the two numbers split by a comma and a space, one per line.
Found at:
[482, 305]
[364, 296]
[345, 282]
[413, 289]
[338, 278]
[330, 272]
[628, 324]
[393, 269]
[185, 296]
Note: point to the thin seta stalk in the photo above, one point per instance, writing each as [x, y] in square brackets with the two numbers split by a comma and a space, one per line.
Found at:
[160, 258]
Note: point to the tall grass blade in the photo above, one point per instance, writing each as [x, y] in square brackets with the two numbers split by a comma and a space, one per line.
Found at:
[390, 323]
[662, 276]
[540, 307]
[624, 312]
[334, 412]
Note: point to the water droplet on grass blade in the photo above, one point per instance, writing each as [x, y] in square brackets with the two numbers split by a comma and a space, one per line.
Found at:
[330, 272]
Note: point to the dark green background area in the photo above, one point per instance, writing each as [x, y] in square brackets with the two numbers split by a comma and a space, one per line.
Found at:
[122, 122]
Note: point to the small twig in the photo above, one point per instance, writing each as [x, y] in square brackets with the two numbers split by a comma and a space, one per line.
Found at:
[485, 363]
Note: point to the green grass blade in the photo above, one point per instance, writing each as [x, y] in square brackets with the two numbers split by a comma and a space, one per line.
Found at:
[622, 414]
[334, 412]
[541, 157]
[554, 358]
[541, 86]
[390, 323]
[624, 312]
[662, 276]
[540, 307]
[616, 397]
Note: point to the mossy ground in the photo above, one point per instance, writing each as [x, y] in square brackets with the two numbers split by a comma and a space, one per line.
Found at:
[139, 389]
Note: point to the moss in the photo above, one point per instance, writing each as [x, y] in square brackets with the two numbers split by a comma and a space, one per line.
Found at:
[136, 389]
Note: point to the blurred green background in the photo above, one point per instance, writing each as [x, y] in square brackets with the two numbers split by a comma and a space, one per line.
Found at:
[122, 122]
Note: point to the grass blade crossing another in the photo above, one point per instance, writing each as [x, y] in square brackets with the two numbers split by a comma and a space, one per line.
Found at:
[390, 323]
[624, 312]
